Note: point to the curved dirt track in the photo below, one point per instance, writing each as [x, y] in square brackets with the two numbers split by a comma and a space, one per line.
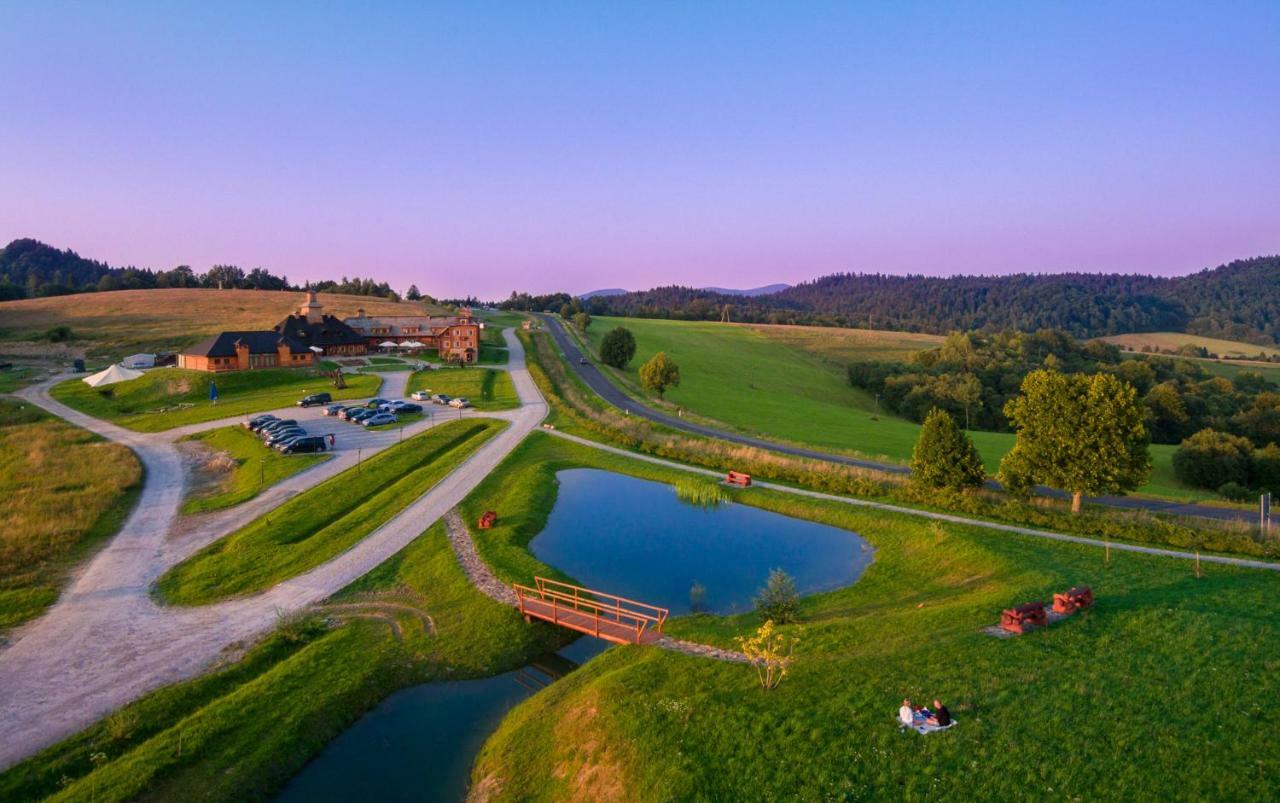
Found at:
[106, 642]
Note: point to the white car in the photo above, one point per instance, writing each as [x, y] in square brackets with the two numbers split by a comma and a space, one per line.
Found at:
[459, 403]
[421, 395]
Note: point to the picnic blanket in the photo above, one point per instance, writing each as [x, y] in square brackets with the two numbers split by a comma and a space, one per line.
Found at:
[925, 727]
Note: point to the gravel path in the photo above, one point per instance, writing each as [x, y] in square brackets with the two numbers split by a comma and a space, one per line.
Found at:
[105, 642]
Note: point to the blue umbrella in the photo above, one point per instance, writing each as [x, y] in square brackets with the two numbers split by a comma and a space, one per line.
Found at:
[213, 391]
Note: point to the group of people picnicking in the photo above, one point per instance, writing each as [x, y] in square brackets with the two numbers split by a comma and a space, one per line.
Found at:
[913, 716]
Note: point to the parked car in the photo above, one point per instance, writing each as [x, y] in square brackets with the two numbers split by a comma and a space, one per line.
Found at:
[421, 395]
[376, 403]
[404, 407]
[459, 403]
[315, 399]
[280, 436]
[279, 423]
[440, 398]
[334, 409]
[258, 422]
[378, 419]
[304, 445]
[346, 412]
[360, 415]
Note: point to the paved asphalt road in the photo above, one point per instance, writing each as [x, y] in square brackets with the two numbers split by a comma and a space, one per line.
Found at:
[597, 381]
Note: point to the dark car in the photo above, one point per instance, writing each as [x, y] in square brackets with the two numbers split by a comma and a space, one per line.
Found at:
[360, 415]
[315, 399]
[404, 407]
[376, 403]
[304, 445]
[582, 361]
[267, 432]
[277, 424]
[258, 422]
[334, 409]
[346, 412]
[280, 436]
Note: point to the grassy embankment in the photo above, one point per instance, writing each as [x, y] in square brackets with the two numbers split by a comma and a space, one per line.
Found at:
[325, 521]
[252, 468]
[1159, 692]
[241, 731]
[138, 403]
[576, 409]
[123, 322]
[796, 388]
[64, 492]
[16, 378]
[487, 388]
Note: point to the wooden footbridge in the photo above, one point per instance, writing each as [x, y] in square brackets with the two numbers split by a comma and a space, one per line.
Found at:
[606, 616]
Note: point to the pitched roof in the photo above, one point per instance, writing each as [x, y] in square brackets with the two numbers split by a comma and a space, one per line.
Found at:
[328, 331]
[396, 324]
[223, 344]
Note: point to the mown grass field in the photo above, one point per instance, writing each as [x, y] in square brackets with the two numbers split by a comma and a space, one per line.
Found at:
[792, 386]
[63, 491]
[1162, 691]
[314, 527]
[137, 404]
[119, 323]
[1175, 340]
[486, 388]
[255, 468]
[239, 732]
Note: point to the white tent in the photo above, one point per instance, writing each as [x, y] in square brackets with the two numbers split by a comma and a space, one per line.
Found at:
[412, 344]
[316, 349]
[112, 374]
[388, 344]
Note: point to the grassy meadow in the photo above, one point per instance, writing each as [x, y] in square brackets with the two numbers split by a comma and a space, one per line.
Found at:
[64, 491]
[1162, 691]
[487, 388]
[150, 402]
[241, 731]
[250, 468]
[323, 522]
[796, 388]
[122, 322]
[1174, 340]
[18, 377]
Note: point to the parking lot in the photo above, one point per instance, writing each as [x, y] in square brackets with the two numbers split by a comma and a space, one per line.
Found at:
[350, 436]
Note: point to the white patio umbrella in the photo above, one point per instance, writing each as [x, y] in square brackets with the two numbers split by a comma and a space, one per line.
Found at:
[388, 344]
[412, 344]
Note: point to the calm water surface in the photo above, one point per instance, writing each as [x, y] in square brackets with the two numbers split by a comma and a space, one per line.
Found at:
[635, 538]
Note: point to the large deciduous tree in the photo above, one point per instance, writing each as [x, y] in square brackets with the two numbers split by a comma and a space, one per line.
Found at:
[944, 457]
[660, 373]
[1079, 433]
[618, 347]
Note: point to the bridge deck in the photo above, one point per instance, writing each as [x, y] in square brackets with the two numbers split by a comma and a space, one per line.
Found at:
[589, 623]
[595, 613]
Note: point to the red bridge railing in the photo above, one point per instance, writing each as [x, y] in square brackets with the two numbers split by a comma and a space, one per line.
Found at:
[603, 615]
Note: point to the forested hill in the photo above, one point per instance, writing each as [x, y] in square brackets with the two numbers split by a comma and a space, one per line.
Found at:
[1238, 301]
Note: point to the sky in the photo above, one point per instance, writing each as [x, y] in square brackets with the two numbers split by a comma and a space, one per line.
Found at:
[478, 148]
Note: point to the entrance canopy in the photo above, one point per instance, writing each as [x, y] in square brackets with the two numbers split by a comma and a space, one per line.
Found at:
[112, 374]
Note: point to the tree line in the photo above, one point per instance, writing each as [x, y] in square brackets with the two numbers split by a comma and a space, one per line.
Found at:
[31, 269]
[1236, 301]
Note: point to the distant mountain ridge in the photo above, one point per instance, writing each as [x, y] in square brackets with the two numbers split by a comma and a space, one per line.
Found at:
[724, 291]
[1236, 301]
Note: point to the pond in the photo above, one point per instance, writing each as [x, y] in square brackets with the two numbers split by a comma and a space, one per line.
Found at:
[635, 538]
[419, 743]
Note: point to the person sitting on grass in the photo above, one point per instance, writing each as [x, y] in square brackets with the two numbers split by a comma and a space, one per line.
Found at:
[907, 714]
[941, 716]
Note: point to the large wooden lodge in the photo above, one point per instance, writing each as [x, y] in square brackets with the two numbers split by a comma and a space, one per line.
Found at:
[310, 332]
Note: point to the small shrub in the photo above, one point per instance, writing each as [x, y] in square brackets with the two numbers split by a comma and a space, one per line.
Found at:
[770, 652]
[697, 597]
[58, 334]
[778, 601]
[1235, 492]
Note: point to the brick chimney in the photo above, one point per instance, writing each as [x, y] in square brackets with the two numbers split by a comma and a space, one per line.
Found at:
[311, 309]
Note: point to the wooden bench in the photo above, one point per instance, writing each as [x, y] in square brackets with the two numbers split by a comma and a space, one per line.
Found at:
[1073, 600]
[738, 478]
[1017, 620]
[489, 519]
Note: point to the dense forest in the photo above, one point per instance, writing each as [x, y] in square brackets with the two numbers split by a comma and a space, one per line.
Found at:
[31, 269]
[974, 375]
[1238, 301]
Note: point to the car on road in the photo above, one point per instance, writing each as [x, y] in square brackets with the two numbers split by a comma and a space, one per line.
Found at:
[421, 395]
[459, 403]
[378, 419]
[315, 400]
[305, 445]
[334, 409]
[258, 422]
[582, 361]
[376, 403]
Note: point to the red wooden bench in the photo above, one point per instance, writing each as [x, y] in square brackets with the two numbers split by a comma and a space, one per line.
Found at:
[1017, 620]
[738, 478]
[1073, 600]
[489, 519]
